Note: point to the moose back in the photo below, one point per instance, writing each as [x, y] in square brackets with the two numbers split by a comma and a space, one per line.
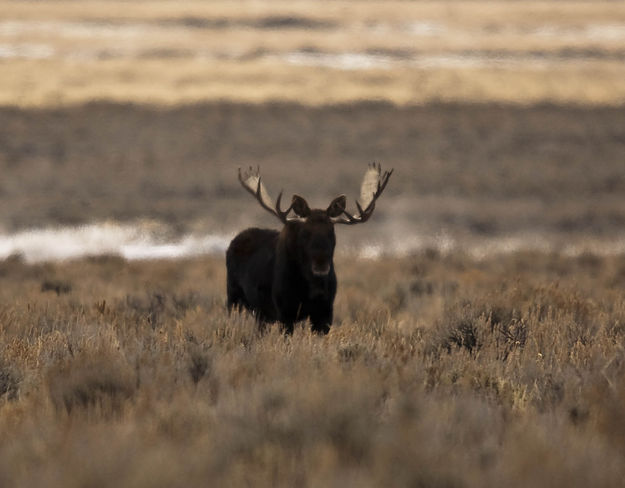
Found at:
[288, 275]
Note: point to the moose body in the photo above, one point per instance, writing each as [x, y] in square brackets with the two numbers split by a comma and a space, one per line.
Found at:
[266, 274]
[289, 276]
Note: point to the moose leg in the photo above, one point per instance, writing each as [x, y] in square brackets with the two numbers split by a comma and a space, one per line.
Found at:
[287, 315]
[321, 318]
[236, 298]
[286, 304]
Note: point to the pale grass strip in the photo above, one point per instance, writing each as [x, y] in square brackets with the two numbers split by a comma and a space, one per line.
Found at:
[41, 83]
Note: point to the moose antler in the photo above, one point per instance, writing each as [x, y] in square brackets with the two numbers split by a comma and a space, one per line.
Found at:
[373, 185]
[251, 181]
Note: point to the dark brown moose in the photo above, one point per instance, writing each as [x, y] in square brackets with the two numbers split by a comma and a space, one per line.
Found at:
[289, 275]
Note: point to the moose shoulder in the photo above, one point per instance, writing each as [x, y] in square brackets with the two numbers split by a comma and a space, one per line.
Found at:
[289, 275]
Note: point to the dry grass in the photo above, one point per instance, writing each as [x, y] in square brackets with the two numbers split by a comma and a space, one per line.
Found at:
[28, 83]
[172, 52]
[440, 371]
[476, 12]
[468, 170]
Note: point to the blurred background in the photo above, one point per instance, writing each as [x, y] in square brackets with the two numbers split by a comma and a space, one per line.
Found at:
[122, 124]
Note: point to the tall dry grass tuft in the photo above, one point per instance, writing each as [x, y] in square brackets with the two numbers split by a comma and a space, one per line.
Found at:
[9, 382]
[91, 380]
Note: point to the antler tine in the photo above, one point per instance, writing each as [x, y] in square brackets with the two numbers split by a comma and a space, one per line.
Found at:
[252, 182]
[380, 185]
[282, 214]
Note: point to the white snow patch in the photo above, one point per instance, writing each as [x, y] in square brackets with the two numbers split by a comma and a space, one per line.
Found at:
[344, 61]
[128, 241]
[76, 29]
[146, 240]
[352, 61]
[26, 51]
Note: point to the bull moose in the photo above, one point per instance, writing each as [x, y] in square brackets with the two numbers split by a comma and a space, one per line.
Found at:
[288, 276]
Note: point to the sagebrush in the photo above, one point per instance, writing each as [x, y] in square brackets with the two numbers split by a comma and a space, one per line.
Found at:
[439, 371]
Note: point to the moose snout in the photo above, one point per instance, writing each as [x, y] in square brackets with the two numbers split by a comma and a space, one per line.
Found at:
[320, 267]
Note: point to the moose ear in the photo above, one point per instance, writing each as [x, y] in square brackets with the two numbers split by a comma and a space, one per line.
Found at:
[337, 207]
[300, 207]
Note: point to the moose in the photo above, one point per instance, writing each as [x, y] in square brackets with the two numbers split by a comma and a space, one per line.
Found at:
[289, 276]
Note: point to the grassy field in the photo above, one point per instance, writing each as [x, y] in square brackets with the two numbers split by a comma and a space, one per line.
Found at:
[440, 371]
[56, 53]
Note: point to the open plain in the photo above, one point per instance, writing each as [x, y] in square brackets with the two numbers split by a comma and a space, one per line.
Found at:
[479, 332]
